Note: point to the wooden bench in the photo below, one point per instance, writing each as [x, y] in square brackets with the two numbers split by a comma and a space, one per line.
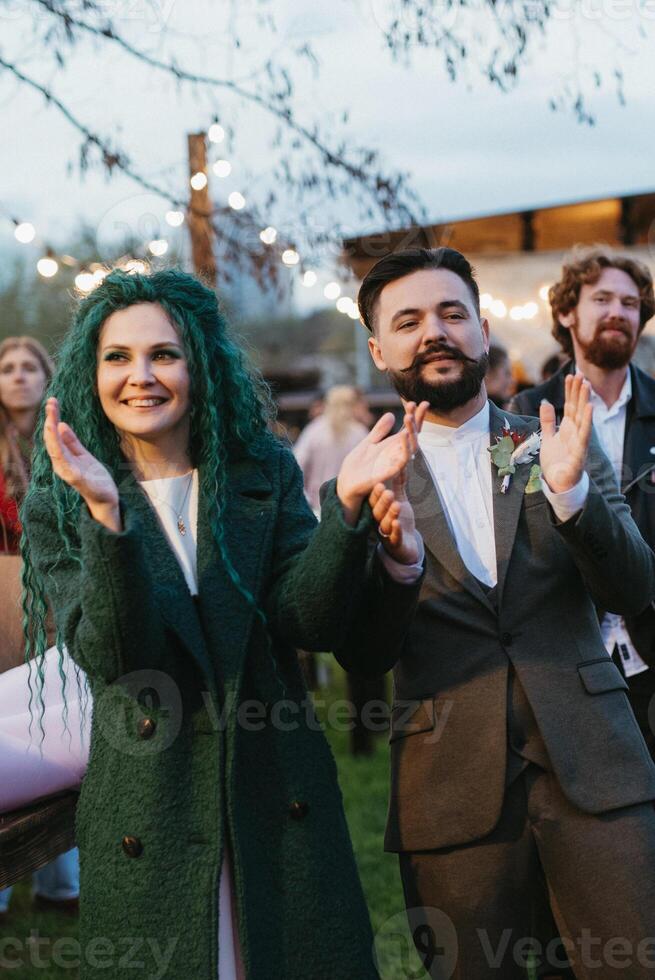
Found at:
[35, 835]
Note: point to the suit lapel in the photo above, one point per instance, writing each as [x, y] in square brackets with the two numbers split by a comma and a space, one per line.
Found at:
[432, 524]
[507, 506]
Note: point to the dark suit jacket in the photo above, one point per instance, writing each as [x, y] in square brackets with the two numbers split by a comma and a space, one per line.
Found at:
[449, 718]
[638, 471]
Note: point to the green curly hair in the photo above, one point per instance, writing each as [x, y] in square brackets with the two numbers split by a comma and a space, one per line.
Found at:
[230, 413]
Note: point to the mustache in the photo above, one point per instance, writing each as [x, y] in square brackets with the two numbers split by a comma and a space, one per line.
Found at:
[425, 356]
[614, 324]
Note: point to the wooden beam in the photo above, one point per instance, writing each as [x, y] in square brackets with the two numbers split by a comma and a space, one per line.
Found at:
[200, 211]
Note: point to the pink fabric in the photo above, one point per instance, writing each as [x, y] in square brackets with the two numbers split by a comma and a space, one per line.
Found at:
[320, 453]
[29, 768]
[230, 964]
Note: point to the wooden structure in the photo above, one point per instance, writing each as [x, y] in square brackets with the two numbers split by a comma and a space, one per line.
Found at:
[199, 214]
[35, 835]
[627, 220]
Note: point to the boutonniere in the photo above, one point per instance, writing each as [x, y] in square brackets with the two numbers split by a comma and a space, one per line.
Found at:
[512, 449]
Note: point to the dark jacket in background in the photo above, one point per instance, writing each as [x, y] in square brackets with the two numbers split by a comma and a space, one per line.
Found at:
[638, 472]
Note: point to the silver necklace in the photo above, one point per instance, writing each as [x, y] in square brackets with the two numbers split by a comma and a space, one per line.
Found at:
[181, 526]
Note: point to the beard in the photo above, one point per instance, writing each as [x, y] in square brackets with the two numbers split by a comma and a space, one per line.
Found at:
[605, 351]
[443, 396]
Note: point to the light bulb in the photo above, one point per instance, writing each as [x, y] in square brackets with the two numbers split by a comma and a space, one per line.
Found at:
[332, 290]
[174, 218]
[268, 235]
[216, 133]
[135, 267]
[158, 247]
[309, 279]
[199, 181]
[85, 282]
[236, 201]
[222, 168]
[290, 257]
[47, 267]
[24, 232]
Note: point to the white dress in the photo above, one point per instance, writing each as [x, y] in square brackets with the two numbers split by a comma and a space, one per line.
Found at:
[171, 498]
[32, 767]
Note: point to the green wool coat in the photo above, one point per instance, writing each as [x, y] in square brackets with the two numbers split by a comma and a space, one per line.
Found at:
[203, 731]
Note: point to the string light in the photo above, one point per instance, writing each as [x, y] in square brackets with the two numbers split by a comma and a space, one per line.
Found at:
[175, 218]
[216, 133]
[516, 313]
[135, 267]
[543, 293]
[354, 313]
[236, 201]
[222, 168]
[332, 290]
[530, 310]
[158, 247]
[290, 257]
[498, 309]
[85, 282]
[199, 181]
[309, 279]
[47, 267]
[268, 235]
[486, 299]
[345, 304]
[24, 232]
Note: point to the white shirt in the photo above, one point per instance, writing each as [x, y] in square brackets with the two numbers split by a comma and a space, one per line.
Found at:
[461, 467]
[177, 496]
[609, 425]
[459, 463]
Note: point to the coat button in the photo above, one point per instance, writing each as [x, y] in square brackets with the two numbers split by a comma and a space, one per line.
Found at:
[298, 810]
[146, 728]
[132, 846]
[506, 639]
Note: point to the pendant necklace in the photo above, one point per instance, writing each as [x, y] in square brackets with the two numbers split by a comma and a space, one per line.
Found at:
[181, 526]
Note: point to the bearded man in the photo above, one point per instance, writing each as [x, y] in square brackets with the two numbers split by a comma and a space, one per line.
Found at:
[519, 777]
[600, 306]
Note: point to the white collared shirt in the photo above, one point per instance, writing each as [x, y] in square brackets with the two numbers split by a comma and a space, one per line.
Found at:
[459, 463]
[609, 425]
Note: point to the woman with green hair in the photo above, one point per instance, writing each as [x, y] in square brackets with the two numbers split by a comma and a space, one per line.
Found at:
[169, 531]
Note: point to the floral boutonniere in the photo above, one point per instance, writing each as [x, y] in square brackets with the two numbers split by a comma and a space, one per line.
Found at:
[513, 449]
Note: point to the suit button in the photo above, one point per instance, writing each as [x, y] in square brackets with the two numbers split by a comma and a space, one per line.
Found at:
[132, 847]
[506, 639]
[146, 728]
[298, 810]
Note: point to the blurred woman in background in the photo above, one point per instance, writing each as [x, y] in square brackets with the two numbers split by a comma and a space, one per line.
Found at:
[25, 371]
